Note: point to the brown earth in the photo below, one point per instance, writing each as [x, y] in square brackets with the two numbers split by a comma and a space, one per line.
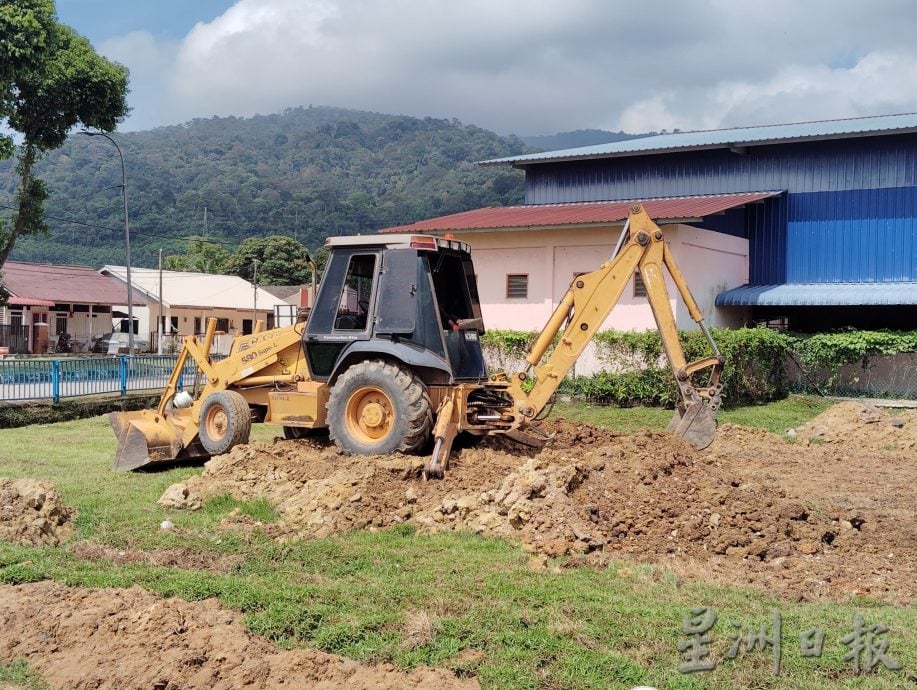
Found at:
[829, 516]
[129, 638]
[178, 557]
[32, 513]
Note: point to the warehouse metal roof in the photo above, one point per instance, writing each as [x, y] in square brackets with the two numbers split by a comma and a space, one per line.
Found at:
[535, 216]
[820, 294]
[736, 138]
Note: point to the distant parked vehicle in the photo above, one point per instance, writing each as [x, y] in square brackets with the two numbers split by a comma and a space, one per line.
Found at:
[105, 344]
[64, 343]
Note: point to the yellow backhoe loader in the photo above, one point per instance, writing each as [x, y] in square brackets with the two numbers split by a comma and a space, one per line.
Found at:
[390, 358]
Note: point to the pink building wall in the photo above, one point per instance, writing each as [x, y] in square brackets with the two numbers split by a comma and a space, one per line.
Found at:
[711, 262]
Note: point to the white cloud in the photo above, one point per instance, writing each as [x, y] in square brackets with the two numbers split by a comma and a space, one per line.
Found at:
[879, 83]
[150, 61]
[531, 66]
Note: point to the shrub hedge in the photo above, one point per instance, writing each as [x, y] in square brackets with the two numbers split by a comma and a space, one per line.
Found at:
[755, 361]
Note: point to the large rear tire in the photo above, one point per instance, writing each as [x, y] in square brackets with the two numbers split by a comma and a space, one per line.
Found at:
[226, 421]
[377, 407]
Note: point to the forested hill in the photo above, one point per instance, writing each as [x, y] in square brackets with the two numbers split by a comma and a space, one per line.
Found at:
[306, 173]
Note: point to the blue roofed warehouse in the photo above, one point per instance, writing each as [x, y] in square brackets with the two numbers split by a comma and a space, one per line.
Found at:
[831, 242]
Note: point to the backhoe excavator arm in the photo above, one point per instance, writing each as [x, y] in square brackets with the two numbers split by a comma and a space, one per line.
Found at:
[586, 306]
[580, 313]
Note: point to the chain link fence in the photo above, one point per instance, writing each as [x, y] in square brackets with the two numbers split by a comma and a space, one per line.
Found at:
[893, 377]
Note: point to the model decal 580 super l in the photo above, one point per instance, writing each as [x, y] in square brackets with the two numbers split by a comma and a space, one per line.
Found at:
[390, 358]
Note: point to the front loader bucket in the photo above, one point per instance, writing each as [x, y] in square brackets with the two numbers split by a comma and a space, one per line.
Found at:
[144, 437]
[696, 424]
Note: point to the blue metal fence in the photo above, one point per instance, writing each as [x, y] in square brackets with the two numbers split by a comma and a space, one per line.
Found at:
[54, 379]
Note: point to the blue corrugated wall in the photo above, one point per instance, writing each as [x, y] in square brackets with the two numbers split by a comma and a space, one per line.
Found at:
[863, 235]
[849, 214]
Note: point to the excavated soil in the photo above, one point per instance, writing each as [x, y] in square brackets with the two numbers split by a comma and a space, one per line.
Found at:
[830, 515]
[129, 638]
[32, 513]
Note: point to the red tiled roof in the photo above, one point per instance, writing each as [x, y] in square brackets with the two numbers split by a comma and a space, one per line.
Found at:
[587, 213]
[47, 283]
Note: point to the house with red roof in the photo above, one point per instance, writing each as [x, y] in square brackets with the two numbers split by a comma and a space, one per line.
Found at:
[47, 300]
[526, 256]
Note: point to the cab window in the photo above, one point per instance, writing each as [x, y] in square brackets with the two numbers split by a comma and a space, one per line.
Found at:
[356, 294]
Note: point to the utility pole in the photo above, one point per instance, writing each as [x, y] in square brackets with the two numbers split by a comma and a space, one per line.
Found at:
[205, 222]
[255, 308]
[159, 323]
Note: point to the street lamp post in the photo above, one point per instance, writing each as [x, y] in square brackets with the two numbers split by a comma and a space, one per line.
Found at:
[127, 243]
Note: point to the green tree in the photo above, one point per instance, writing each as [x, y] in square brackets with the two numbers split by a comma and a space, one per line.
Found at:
[51, 79]
[280, 260]
[202, 257]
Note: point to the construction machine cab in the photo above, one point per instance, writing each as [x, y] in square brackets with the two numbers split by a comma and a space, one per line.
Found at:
[410, 298]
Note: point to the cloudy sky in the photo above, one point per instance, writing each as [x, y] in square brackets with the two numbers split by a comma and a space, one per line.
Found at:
[514, 66]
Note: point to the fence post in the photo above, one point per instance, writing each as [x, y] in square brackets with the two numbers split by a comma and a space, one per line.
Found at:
[122, 364]
[55, 381]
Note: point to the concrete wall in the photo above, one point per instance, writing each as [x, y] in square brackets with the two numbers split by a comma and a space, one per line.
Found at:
[711, 262]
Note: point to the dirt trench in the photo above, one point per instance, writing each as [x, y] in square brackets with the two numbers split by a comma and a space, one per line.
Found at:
[828, 514]
[121, 639]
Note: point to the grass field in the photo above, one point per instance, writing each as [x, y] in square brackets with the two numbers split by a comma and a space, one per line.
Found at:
[358, 594]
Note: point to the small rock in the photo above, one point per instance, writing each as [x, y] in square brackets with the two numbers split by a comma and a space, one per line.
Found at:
[410, 495]
[404, 512]
[807, 547]
[714, 519]
[778, 563]
[896, 422]
[166, 524]
[356, 498]
[791, 433]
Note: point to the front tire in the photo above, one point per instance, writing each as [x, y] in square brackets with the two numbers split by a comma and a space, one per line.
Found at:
[377, 408]
[226, 421]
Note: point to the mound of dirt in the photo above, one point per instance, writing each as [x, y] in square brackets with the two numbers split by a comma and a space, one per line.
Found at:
[863, 426]
[129, 638]
[32, 513]
[823, 520]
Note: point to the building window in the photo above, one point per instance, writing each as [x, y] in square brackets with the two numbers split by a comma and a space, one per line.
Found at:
[223, 325]
[639, 287]
[60, 324]
[517, 285]
[246, 326]
[197, 326]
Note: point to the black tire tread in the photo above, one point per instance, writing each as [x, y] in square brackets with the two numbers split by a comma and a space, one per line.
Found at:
[417, 412]
[240, 421]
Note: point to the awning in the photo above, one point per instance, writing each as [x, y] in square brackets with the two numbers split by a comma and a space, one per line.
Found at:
[820, 294]
[686, 209]
[29, 302]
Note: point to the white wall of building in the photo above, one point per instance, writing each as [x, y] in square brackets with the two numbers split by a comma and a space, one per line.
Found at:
[711, 262]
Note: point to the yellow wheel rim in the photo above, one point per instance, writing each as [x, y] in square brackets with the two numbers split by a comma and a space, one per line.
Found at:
[216, 423]
[370, 415]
